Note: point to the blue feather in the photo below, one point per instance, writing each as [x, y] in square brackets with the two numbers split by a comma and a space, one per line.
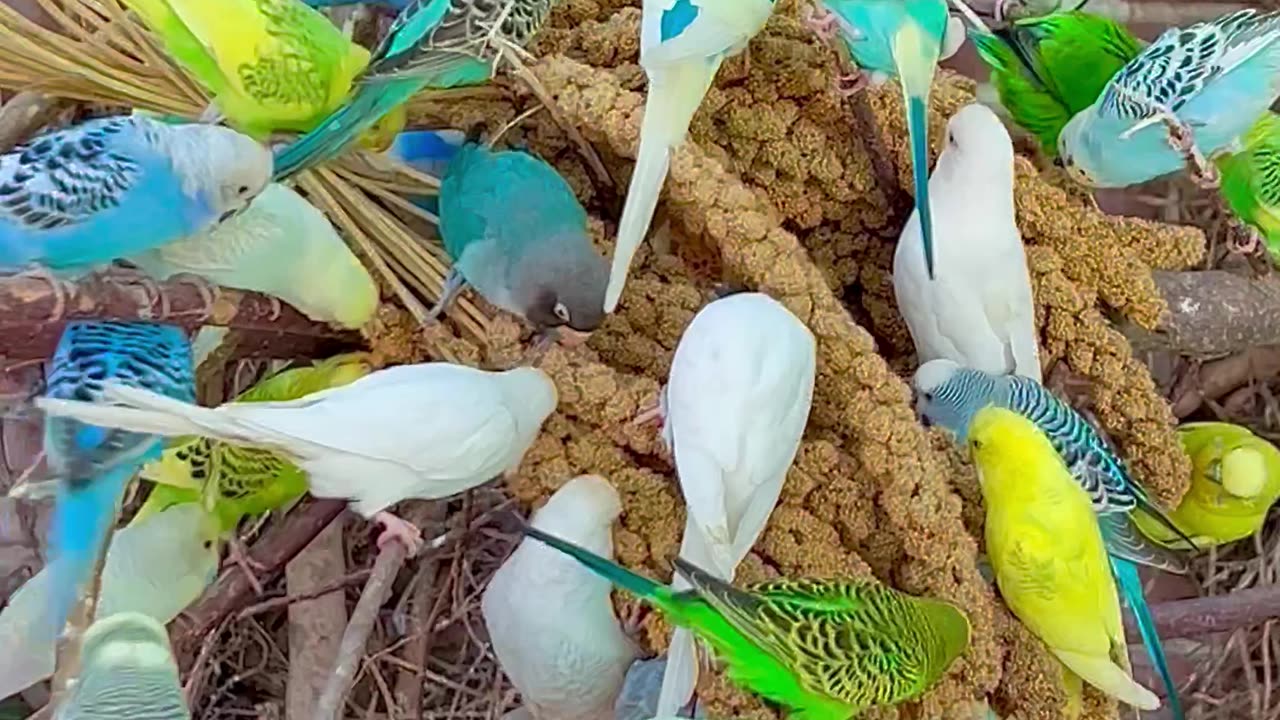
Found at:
[918, 130]
[678, 17]
[1126, 575]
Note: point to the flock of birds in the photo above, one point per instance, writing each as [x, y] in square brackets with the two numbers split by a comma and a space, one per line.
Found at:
[173, 197]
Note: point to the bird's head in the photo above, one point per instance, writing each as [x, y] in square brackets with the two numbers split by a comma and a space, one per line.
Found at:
[977, 142]
[565, 287]
[582, 511]
[941, 398]
[231, 168]
[1072, 151]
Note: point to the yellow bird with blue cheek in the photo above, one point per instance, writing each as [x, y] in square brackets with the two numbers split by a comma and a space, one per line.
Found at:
[1045, 547]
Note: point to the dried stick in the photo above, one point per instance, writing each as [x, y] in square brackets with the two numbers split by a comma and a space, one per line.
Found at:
[1220, 613]
[315, 624]
[408, 689]
[1212, 314]
[1215, 380]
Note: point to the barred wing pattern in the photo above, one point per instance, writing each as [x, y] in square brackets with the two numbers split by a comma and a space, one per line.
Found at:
[465, 28]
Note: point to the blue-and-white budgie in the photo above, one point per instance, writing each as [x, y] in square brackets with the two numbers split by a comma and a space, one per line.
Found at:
[432, 44]
[682, 44]
[902, 38]
[94, 464]
[1190, 94]
[518, 235]
[77, 198]
[949, 396]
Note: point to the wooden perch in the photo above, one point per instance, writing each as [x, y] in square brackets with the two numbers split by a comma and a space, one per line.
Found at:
[34, 308]
[1220, 613]
[1212, 314]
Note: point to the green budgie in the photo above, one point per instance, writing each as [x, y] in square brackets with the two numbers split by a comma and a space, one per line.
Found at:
[825, 649]
[234, 481]
[1251, 183]
[127, 670]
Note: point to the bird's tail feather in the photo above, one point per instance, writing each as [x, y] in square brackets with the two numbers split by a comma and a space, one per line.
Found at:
[367, 104]
[148, 412]
[1108, 677]
[916, 57]
[638, 585]
[1126, 574]
[675, 92]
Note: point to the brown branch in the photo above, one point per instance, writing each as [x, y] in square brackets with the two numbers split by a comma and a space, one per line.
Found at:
[231, 592]
[408, 689]
[1221, 613]
[316, 624]
[1217, 379]
[23, 114]
[1212, 314]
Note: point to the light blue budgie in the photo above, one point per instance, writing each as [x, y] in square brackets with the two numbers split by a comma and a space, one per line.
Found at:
[949, 395]
[1190, 94]
[517, 234]
[127, 670]
[682, 44]
[77, 198]
[94, 464]
[432, 44]
[902, 38]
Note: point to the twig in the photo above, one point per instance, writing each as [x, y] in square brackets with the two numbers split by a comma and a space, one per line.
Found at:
[315, 624]
[354, 578]
[408, 690]
[1215, 380]
[23, 114]
[1220, 613]
[1212, 314]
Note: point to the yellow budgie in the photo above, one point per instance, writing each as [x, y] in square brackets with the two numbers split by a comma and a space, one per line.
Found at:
[1235, 481]
[1046, 550]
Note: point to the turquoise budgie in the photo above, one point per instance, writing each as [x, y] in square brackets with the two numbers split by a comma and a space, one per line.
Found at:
[517, 234]
[157, 566]
[282, 246]
[1184, 98]
[77, 198]
[949, 395]
[682, 44]
[903, 38]
[127, 670]
[94, 464]
[432, 44]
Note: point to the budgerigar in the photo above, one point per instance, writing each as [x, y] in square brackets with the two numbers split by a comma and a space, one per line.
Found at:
[734, 408]
[826, 649]
[93, 464]
[157, 567]
[126, 670]
[77, 198]
[1235, 480]
[978, 311]
[682, 44]
[413, 431]
[243, 481]
[282, 246]
[950, 396]
[1186, 96]
[1044, 544]
[434, 44]
[1251, 182]
[393, 4]
[902, 38]
[517, 234]
[551, 621]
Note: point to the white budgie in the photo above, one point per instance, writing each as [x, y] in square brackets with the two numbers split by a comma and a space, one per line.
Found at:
[978, 310]
[550, 619]
[280, 245]
[157, 567]
[734, 408]
[127, 671]
[413, 431]
[682, 43]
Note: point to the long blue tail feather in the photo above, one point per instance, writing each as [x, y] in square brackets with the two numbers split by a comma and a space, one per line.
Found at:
[1126, 574]
[918, 129]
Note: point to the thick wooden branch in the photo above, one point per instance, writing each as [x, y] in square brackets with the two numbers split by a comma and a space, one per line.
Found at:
[1212, 314]
[1220, 613]
[33, 309]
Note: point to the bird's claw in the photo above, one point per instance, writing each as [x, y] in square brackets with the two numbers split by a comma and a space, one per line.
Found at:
[41, 272]
[852, 84]
[1243, 239]
[821, 21]
[397, 528]
[649, 412]
[1182, 139]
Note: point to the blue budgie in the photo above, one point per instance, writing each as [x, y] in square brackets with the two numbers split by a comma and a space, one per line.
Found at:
[77, 198]
[432, 44]
[949, 395]
[1190, 94]
[517, 234]
[903, 38]
[682, 44]
[94, 464]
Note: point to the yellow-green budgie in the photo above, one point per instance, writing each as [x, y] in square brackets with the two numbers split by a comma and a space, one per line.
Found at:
[239, 481]
[1046, 550]
[1235, 481]
[270, 64]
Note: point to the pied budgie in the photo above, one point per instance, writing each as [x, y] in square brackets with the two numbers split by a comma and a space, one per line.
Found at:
[1047, 552]
[733, 410]
[126, 670]
[826, 649]
[1235, 480]
[979, 311]
[282, 246]
[682, 44]
[93, 464]
[518, 235]
[413, 431]
[157, 567]
[950, 396]
[243, 481]
[1186, 96]
[902, 38]
[76, 198]
[551, 621]
[432, 44]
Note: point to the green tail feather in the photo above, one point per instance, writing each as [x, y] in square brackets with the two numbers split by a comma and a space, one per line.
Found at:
[1126, 574]
[638, 585]
[918, 131]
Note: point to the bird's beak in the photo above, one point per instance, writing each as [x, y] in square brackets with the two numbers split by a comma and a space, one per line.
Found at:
[571, 338]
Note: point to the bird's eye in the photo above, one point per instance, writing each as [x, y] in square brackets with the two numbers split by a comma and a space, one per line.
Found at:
[208, 544]
[951, 139]
[976, 444]
[244, 190]
[561, 312]
[1058, 161]
[928, 397]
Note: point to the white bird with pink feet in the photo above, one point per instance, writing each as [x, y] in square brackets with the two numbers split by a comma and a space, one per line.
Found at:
[423, 431]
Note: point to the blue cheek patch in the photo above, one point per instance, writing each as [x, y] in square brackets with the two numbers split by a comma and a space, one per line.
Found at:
[677, 18]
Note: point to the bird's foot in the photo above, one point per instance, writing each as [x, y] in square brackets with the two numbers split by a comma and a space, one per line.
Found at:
[649, 413]
[633, 622]
[821, 21]
[238, 554]
[208, 291]
[1243, 239]
[852, 84]
[155, 295]
[397, 528]
[1182, 139]
[59, 288]
[453, 285]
